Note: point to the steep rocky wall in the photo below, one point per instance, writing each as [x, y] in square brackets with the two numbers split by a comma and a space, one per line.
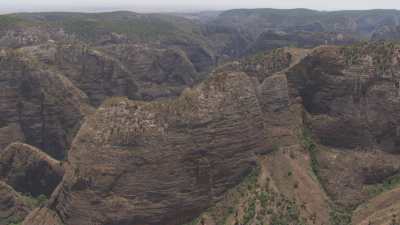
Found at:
[38, 105]
[165, 162]
[135, 162]
[158, 72]
[137, 71]
[352, 95]
[351, 101]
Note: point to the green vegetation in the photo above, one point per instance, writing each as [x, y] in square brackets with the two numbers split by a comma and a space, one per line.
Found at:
[275, 60]
[288, 214]
[340, 217]
[310, 145]
[17, 223]
[135, 26]
[381, 54]
[13, 220]
[250, 212]
[194, 222]
[11, 21]
[251, 179]
[262, 205]
[35, 201]
[352, 53]
[388, 184]
[90, 28]
[264, 198]
[221, 213]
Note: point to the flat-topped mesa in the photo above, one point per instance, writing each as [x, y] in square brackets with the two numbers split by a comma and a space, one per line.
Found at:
[28, 170]
[161, 162]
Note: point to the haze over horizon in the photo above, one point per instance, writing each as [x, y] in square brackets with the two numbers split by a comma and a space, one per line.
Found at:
[189, 5]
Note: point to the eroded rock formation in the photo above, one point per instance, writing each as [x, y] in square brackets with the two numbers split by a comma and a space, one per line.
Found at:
[29, 170]
[354, 90]
[39, 106]
[201, 144]
[13, 206]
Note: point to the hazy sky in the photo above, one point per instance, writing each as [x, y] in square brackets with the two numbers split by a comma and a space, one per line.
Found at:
[189, 5]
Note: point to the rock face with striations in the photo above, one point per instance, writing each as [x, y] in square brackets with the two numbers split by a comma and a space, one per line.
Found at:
[26, 176]
[13, 206]
[50, 80]
[354, 90]
[351, 101]
[160, 162]
[38, 106]
[135, 71]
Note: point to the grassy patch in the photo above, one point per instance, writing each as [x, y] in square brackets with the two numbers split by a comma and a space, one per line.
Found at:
[194, 222]
[11, 21]
[253, 203]
[264, 198]
[311, 147]
[340, 217]
[388, 184]
[89, 27]
[17, 223]
[250, 212]
[35, 201]
[13, 220]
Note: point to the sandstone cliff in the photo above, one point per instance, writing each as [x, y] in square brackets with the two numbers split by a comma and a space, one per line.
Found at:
[50, 87]
[188, 141]
[322, 120]
[39, 106]
[166, 162]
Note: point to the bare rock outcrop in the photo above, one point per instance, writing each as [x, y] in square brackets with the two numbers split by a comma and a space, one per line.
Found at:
[351, 95]
[352, 177]
[137, 71]
[165, 162]
[39, 106]
[194, 149]
[157, 72]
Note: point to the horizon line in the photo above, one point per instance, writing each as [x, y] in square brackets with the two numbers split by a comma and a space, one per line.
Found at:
[160, 9]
